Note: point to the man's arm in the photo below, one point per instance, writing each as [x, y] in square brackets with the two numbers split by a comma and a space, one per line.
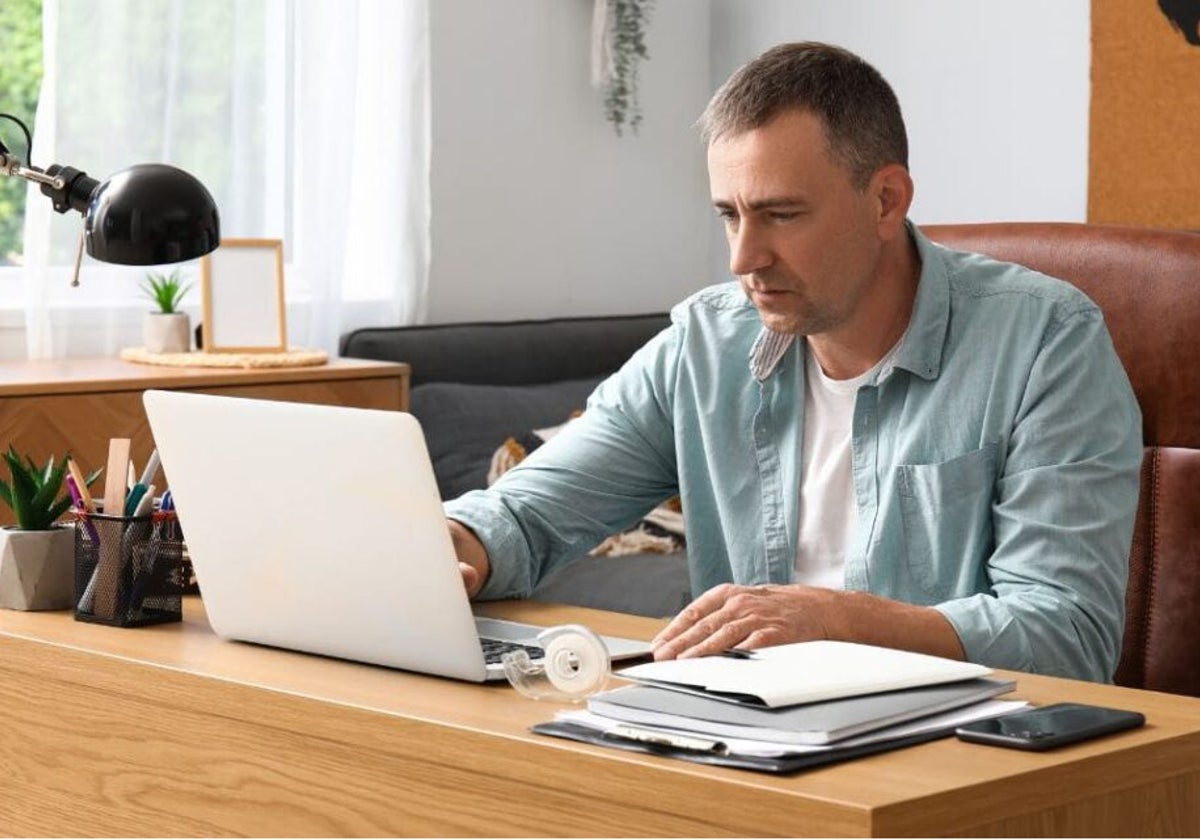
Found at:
[757, 616]
[599, 475]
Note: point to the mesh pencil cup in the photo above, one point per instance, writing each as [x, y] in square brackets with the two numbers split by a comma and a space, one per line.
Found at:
[127, 569]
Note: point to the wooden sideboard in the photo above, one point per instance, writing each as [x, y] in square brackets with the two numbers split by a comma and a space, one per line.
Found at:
[50, 407]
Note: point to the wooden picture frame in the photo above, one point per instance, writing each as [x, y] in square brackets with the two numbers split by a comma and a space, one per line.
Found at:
[242, 286]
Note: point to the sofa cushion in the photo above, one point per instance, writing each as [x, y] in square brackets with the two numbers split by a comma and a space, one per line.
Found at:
[464, 424]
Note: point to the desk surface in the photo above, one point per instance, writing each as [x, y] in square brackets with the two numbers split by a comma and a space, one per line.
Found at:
[170, 731]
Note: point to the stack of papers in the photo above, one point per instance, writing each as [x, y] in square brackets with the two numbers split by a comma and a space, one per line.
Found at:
[787, 707]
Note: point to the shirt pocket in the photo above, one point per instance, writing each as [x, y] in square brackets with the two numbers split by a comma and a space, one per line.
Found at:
[946, 511]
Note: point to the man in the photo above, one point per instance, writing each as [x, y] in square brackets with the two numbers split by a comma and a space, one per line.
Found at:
[876, 439]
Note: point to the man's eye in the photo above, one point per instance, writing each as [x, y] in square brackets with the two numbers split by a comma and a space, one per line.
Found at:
[784, 215]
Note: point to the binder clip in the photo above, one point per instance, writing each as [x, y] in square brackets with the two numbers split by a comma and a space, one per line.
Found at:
[576, 665]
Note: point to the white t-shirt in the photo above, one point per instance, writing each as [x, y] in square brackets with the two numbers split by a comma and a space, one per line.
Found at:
[828, 512]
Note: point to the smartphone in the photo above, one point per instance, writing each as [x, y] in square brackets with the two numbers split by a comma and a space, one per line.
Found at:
[1049, 726]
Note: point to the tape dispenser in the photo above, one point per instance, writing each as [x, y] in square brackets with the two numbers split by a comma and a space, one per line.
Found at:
[576, 665]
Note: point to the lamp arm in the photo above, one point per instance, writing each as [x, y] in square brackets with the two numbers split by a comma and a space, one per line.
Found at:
[67, 187]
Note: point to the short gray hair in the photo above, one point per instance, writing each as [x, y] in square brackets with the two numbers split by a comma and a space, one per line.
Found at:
[855, 104]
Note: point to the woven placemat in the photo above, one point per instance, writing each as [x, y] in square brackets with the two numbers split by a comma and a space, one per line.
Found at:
[295, 357]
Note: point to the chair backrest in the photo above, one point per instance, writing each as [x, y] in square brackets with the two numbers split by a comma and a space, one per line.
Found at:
[1147, 283]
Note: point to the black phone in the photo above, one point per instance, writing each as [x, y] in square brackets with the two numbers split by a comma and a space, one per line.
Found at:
[1050, 726]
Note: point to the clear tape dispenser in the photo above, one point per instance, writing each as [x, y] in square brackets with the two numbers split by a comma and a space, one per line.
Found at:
[576, 665]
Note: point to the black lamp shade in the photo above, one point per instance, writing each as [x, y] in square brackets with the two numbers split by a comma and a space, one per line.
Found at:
[151, 214]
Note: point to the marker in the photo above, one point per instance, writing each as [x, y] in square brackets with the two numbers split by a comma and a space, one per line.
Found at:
[136, 493]
[146, 503]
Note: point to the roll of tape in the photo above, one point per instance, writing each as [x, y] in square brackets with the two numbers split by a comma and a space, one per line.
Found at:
[575, 666]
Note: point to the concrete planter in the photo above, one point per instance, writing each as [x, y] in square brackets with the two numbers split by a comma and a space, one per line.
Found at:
[37, 569]
[167, 332]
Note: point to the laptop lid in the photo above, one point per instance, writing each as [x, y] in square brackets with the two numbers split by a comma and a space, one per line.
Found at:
[317, 528]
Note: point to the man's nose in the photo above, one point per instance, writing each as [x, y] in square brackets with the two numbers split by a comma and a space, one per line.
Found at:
[748, 250]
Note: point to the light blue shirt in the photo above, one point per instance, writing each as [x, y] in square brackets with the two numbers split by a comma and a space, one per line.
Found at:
[995, 463]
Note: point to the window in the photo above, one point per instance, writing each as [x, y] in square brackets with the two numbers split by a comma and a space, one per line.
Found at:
[307, 122]
[20, 80]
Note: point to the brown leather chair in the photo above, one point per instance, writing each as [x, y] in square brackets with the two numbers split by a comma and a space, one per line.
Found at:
[1147, 283]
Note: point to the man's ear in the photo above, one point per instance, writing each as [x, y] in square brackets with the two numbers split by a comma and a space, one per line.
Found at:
[893, 188]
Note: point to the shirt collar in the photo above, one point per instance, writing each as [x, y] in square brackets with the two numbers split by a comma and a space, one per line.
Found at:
[920, 350]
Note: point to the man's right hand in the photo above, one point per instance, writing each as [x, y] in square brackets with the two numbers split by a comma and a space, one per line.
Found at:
[472, 557]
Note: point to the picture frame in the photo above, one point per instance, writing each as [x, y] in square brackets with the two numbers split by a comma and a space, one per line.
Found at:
[242, 288]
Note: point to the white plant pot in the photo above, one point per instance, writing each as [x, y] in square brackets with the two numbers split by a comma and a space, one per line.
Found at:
[167, 333]
[37, 569]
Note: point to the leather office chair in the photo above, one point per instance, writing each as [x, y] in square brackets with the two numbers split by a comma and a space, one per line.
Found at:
[1147, 283]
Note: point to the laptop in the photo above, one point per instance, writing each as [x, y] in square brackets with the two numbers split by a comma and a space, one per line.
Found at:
[320, 529]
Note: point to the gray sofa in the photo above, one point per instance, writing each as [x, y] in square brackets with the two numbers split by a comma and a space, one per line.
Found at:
[476, 384]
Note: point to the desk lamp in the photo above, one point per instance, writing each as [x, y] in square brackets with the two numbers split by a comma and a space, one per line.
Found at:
[148, 214]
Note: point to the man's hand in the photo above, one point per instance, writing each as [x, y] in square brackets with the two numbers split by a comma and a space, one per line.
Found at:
[759, 616]
[473, 559]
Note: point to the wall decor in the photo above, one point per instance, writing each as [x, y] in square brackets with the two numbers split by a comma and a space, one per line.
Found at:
[242, 286]
[1145, 113]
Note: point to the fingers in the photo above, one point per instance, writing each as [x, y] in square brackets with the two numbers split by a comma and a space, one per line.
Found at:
[708, 603]
[471, 579]
[711, 636]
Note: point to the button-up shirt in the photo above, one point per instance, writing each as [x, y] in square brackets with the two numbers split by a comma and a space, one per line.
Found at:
[995, 463]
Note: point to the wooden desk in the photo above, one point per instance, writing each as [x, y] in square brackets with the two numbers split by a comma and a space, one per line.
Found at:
[169, 731]
[49, 407]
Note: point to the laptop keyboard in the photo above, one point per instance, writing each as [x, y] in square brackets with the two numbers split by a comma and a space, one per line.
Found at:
[493, 649]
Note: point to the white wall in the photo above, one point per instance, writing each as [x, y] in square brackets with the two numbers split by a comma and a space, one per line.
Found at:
[995, 94]
[539, 209]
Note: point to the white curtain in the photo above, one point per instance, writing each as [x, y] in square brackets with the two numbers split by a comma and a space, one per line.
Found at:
[307, 120]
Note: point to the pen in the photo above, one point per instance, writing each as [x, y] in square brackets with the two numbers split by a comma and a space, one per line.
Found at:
[83, 508]
[88, 506]
[151, 468]
[738, 653]
[671, 740]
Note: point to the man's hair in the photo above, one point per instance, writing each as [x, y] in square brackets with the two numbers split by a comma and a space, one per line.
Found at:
[856, 105]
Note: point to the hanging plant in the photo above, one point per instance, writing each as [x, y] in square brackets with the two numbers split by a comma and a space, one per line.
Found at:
[618, 48]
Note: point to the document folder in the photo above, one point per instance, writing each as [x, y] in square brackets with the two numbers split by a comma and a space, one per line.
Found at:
[769, 764]
[813, 723]
[804, 672]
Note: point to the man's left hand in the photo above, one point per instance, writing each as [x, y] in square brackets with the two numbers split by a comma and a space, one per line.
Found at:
[747, 617]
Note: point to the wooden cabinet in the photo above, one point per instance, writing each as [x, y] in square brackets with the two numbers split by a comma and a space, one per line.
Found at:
[50, 407]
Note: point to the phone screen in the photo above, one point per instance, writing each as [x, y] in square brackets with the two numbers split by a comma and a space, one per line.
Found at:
[1050, 726]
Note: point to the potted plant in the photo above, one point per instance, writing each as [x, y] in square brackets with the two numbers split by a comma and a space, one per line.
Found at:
[37, 556]
[166, 330]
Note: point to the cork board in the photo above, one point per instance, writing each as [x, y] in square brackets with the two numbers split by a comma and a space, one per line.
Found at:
[1144, 135]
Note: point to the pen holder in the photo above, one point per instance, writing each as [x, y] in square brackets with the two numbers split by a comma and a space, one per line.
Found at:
[128, 569]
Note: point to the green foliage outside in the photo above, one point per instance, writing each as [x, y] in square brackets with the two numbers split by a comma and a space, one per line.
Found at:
[20, 81]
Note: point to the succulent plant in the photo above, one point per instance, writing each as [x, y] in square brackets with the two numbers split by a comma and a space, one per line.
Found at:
[34, 491]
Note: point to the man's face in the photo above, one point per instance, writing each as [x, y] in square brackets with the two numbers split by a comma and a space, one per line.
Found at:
[803, 240]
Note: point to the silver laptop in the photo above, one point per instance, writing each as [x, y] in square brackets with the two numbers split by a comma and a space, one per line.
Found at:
[320, 529]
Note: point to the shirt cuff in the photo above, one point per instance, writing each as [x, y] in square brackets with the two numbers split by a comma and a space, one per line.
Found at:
[508, 559]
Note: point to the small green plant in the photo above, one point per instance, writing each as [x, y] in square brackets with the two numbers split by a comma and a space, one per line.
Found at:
[33, 493]
[166, 290]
